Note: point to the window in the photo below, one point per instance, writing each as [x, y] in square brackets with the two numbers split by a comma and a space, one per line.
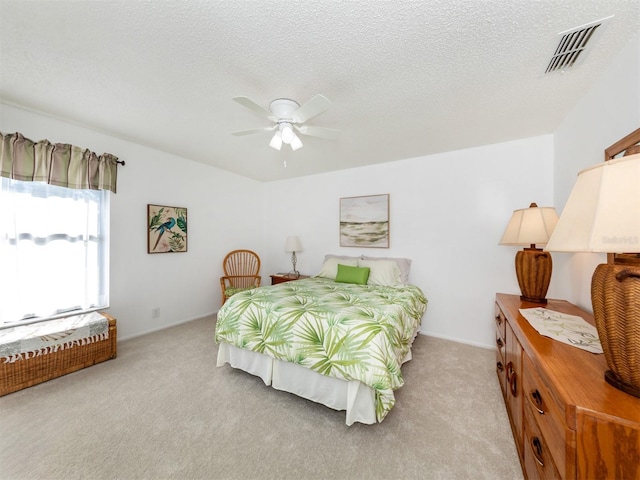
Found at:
[54, 250]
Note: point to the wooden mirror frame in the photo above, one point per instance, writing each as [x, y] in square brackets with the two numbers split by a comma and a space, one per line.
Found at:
[631, 140]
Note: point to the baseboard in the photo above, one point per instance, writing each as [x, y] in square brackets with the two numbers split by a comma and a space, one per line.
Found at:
[164, 327]
[458, 340]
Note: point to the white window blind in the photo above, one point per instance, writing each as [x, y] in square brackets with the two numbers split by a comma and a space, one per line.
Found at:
[54, 250]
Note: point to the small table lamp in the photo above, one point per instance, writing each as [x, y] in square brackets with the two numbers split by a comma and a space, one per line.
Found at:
[603, 215]
[528, 227]
[293, 245]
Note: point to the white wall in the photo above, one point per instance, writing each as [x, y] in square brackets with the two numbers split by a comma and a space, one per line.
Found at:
[447, 213]
[223, 215]
[609, 112]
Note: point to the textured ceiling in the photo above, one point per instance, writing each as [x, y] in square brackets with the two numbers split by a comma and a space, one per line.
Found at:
[405, 79]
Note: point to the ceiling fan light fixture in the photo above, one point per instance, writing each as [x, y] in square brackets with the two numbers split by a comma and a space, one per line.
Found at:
[296, 143]
[276, 141]
[287, 116]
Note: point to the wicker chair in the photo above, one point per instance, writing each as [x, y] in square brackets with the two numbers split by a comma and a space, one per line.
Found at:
[241, 272]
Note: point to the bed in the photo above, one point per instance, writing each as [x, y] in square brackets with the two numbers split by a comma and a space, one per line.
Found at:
[338, 338]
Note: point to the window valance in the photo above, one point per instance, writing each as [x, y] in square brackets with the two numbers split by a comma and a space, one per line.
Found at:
[58, 164]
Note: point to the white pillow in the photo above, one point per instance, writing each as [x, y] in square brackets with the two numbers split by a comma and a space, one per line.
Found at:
[330, 266]
[341, 257]
[382, 272]
[403, 263]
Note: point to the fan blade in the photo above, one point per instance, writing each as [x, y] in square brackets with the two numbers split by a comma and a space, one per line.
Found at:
[251, 105]
[255, 130]
[322, 132]
[313, 107]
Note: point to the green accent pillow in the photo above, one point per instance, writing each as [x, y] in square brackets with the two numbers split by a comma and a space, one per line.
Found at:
[348, 274]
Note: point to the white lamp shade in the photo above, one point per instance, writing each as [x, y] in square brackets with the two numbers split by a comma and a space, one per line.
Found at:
[293, 244]
[276, 141]
[529, 226]
[296, 143]
[603, 210]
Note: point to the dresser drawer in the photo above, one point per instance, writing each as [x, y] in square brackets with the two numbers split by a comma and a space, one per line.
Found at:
[547, 415]
[500, 363]
[538, 460]
[500, 370]
[501, 321]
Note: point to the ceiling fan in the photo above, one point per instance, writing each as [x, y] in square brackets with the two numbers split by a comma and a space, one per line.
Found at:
[288, 117]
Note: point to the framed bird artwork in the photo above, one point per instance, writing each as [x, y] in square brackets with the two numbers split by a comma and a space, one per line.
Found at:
[167, 229]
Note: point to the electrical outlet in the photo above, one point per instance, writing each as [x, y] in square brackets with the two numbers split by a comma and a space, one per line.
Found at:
[155, 313]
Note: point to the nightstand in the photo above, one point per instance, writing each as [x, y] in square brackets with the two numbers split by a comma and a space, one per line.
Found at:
[285, 277]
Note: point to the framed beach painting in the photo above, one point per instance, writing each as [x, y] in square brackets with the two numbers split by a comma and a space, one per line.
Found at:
[166, 229]
[364, 221]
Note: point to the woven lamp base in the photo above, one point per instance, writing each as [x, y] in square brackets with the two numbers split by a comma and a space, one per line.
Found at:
[533, 269]
[615, 294]
[613, 379]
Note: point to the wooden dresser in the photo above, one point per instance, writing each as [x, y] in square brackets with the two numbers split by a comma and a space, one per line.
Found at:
[567, 422]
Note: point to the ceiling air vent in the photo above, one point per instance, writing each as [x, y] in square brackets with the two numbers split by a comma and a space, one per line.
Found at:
[574, 45]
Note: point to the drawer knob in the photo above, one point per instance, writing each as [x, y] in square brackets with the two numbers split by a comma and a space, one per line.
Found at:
[500, 367]
[536, 449]
[536, 400]
[499, 343]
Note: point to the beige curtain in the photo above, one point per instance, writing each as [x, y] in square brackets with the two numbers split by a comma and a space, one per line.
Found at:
[58, 164]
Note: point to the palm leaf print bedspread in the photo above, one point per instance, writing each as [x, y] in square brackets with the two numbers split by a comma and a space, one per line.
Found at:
[347, 331]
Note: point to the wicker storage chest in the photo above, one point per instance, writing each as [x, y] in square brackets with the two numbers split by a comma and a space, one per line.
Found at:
[26, 373]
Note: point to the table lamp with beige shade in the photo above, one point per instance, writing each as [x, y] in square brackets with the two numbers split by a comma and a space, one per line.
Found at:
[529, 227]
[602, 214]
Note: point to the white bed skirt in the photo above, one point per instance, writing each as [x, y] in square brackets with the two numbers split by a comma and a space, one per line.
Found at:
[355, 397]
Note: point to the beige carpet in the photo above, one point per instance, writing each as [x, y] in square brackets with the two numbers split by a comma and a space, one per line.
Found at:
[163, 410]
